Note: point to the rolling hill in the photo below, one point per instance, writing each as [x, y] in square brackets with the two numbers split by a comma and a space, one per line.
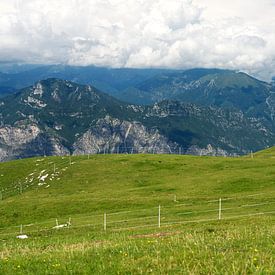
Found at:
[75, 192]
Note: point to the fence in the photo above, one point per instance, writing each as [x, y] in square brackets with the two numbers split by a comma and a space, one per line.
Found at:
[160, 216]
[177, 150]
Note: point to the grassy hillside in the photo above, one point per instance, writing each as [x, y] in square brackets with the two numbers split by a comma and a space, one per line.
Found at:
[130, 189]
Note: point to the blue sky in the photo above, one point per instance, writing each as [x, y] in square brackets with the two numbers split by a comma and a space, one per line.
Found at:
[141, 33]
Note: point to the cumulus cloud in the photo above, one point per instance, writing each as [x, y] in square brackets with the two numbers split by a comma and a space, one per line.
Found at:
[140, 33]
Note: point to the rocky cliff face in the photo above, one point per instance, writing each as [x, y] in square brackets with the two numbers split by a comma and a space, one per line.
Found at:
[116, 136]
[28, 141]
[56, 117]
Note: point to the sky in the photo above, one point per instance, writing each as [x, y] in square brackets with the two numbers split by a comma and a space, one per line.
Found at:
[231, 34]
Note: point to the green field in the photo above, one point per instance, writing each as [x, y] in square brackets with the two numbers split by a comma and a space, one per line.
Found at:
[161, 215]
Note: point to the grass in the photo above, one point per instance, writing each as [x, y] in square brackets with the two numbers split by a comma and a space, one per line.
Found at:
[129, 188]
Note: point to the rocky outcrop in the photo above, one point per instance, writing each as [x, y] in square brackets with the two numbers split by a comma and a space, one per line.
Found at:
[208, 151]
[28, 141]
[16, 136]
[112, 135]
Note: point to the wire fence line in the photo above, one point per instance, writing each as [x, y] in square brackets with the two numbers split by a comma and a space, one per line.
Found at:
[170, 224]
[168, 207]
[163, 225]
[177, 150]
[154, 217]
[164, 208]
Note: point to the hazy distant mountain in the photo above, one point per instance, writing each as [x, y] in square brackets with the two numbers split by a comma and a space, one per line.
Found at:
[220, 88]
[5, 91]
[57, 117]
[107, 79]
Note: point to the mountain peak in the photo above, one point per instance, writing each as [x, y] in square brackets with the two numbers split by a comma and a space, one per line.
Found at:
[60, 91]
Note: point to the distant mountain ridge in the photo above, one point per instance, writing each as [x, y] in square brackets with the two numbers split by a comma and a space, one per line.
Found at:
[221, 88]
[106, 79]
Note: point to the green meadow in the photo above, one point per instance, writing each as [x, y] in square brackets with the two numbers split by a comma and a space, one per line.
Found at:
[138, 214]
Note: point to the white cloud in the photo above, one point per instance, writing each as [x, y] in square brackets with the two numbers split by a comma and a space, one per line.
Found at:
[141, 33]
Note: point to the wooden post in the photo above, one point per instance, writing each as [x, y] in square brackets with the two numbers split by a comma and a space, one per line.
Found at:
[105, 222]
[20, 188]
[220, 209]
[159, 218]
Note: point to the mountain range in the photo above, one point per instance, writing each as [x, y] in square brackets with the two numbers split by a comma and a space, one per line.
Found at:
[60, 117]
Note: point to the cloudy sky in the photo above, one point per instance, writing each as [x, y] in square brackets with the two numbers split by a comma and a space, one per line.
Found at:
[234, 34]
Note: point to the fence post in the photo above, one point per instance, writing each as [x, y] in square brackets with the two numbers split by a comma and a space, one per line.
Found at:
[20, 188]
[1, 196]
[69, 222]
[21, 229]
[159, 218]
[105, 222]
[220, 209]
